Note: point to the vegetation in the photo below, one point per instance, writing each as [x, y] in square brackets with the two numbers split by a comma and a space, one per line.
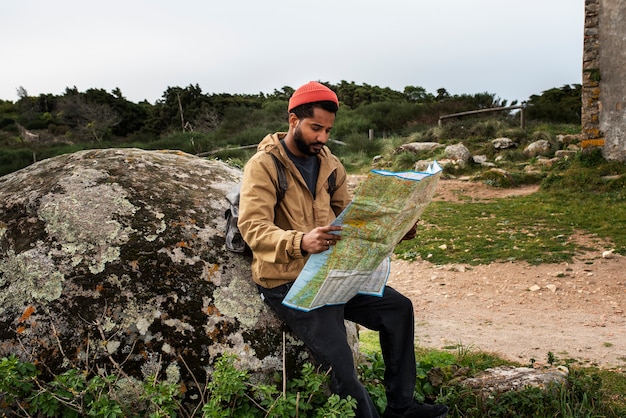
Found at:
[75, 393]
[34, 128]
[230, 392]
[580, 195]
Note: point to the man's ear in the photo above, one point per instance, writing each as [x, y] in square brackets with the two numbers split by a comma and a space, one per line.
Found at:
[293, 120]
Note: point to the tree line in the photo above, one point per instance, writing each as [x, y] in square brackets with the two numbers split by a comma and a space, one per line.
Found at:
[49, 124]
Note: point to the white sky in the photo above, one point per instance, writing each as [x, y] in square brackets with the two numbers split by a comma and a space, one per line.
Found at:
[512, 49]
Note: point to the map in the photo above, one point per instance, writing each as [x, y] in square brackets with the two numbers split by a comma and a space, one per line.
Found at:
[384, 209]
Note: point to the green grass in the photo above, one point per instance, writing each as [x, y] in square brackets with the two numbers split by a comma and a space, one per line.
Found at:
[538, 228]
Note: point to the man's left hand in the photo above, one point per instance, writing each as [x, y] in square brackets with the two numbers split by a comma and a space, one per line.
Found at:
[411, 234]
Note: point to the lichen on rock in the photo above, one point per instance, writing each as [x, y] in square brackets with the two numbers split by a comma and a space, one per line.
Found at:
[28, 277]
[82, 218]
[116, 257]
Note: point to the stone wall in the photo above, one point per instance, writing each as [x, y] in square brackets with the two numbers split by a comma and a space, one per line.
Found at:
[604, 70]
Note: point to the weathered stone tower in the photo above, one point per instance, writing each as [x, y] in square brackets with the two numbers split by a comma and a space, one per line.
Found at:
[604, 78]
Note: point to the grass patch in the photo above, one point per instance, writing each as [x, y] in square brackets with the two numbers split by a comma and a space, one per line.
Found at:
[590, 392]
[538, 229]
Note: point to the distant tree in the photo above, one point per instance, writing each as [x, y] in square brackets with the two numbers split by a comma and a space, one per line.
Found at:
[474, 101]
[88, 120]
[177, 108]
[205, 121]
[21, 92]
[8, 115]
[187, 109]
[442, 94]
[282, 94]
[418, 94]
[560, 105]
[132, 117]
[34, 112]
[354, 95]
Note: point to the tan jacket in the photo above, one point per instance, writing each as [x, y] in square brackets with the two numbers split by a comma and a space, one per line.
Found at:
[275, 234]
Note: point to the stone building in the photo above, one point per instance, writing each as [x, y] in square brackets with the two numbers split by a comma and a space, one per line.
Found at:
[604, 76]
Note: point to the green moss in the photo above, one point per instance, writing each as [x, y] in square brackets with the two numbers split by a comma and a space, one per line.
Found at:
[594, 74]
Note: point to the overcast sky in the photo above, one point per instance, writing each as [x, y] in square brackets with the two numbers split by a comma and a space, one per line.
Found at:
[513, 49]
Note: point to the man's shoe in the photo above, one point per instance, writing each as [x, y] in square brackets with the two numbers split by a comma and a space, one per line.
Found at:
[419, 410]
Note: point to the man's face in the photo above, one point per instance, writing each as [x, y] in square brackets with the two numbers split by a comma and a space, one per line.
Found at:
[311, 134]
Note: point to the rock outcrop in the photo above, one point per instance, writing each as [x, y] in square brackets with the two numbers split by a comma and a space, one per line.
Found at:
[115, 258]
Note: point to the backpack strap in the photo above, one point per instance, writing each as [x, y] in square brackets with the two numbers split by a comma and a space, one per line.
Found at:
[332, 182]
[282, 179]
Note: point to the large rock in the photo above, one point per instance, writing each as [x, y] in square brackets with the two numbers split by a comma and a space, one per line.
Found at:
[507, 378]
[116, 257]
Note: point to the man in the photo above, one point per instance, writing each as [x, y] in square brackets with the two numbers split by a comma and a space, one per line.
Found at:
[282, 236]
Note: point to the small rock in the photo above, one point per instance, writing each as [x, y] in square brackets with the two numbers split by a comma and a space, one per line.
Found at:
[503, 143]
[569, 139]
[537, 148]
[417, 147]
[565, 154]
[534, 288]
[607, 254]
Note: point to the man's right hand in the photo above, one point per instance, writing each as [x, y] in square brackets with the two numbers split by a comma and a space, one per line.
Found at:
[320, 239]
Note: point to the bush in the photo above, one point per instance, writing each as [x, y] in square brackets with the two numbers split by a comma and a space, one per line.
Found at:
[14, 159]
[349, 123]
[230, 393]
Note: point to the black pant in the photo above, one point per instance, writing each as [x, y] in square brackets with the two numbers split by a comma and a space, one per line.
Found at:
[324, 333]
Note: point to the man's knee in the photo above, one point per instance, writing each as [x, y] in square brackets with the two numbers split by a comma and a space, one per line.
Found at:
[401, 302]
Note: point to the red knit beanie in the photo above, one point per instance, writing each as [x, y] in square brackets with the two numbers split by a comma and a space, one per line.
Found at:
[312, 92]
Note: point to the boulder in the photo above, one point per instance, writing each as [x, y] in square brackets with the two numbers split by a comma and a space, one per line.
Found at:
[115, 258]
[418, 147]
[541, 147]
[507, 378]
[459, 154]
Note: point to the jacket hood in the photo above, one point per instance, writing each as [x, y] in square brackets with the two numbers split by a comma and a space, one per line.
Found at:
[271, 142]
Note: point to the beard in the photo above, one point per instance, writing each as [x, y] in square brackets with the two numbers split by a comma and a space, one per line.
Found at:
[303, 147]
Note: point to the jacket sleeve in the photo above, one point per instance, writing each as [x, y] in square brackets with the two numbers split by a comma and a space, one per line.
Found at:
[257, 202]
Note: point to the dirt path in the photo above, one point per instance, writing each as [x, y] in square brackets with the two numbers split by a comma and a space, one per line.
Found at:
[521, 312]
